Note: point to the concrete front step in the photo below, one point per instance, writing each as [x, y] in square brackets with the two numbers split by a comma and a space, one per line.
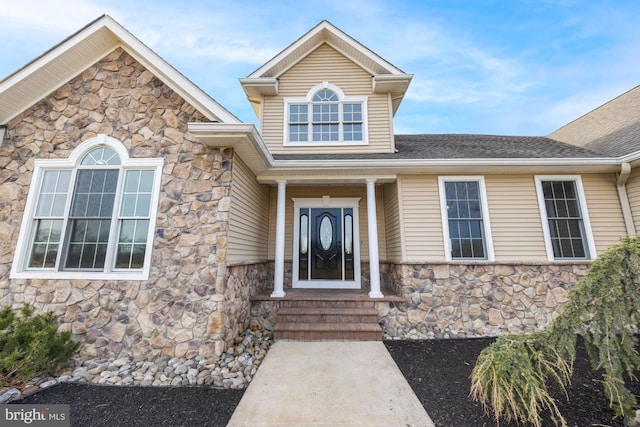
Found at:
[327, 331]
[327, 315]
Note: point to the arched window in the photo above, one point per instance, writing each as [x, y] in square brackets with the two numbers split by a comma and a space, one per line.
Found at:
[92, 214]
[326, 116]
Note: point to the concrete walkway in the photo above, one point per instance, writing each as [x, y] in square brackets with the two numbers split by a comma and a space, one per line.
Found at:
[329, 384]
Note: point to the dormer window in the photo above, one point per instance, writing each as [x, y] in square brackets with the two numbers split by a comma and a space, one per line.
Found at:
[326, 117]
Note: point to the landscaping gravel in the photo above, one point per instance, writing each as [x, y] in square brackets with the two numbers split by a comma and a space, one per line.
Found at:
[234, 369]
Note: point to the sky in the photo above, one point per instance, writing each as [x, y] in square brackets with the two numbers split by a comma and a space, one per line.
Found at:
[505, 67]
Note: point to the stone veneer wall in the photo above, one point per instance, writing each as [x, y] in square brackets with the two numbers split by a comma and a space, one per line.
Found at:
[244, 281]
[182, 309]
[457, 301]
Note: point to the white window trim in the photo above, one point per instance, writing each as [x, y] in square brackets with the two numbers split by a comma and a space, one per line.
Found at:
[328, 202]
[490, 256]
[342, 100]
[19, 268]
[586, 222]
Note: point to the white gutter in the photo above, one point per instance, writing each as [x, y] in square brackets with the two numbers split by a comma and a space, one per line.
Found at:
[629, 158]
[336, 163]
[242, 137]
[623, 176]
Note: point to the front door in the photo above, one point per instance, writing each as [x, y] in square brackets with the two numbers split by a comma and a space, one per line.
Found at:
[325, 252]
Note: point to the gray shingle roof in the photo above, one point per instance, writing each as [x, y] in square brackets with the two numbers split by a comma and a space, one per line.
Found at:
[452, 146]
[618, 143]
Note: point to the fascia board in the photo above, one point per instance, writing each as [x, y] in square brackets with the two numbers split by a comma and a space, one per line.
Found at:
[447, 162]
[347, 168]
[258, 87]
[240, 136]
[630, 158]
[357, 46]
[383, 83]
[24, 75]
[340, 171]
[66, 45]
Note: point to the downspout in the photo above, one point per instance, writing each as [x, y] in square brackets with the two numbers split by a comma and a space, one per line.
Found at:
[623, 176]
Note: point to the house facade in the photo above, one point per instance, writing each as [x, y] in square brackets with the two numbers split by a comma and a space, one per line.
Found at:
[149, 218]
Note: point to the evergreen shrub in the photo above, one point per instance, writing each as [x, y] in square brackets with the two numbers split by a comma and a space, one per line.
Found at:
[31, 345]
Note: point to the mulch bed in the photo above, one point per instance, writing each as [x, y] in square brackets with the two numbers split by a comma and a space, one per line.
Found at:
[437, 370]
[113, 406]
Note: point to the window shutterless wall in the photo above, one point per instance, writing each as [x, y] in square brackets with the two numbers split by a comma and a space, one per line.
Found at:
[516, 223]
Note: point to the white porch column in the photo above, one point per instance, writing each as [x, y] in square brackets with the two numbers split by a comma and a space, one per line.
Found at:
[372, 222]
[278, 279]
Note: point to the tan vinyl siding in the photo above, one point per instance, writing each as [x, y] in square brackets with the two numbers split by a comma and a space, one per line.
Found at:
[334, 192]
[604, 208]
[326, 64]
[393, 225]
[516, 225]
[421, 218]
[248, 238]
[633, 193]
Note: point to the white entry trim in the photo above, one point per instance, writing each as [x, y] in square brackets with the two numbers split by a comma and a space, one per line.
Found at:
[327, 202]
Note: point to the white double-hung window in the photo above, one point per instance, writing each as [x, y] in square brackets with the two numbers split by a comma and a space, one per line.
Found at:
[565, 219]
[465, 219]
[90, 216]
[326, 117]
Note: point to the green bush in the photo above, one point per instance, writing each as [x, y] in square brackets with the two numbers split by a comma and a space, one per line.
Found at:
[31, 345]
[511, 375]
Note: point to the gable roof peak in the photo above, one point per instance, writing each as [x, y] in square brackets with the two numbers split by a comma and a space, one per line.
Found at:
[386, 77]
[325, 32]
[76, 53]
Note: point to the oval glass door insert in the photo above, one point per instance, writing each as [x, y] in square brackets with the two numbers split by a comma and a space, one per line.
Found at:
[326, 233]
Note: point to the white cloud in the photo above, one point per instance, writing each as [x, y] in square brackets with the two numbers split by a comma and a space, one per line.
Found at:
[46, 16]
[469, 77]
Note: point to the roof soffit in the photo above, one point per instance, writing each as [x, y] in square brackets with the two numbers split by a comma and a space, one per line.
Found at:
[75, 54]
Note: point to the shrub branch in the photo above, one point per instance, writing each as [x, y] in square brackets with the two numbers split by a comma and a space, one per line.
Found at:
[511, 375]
